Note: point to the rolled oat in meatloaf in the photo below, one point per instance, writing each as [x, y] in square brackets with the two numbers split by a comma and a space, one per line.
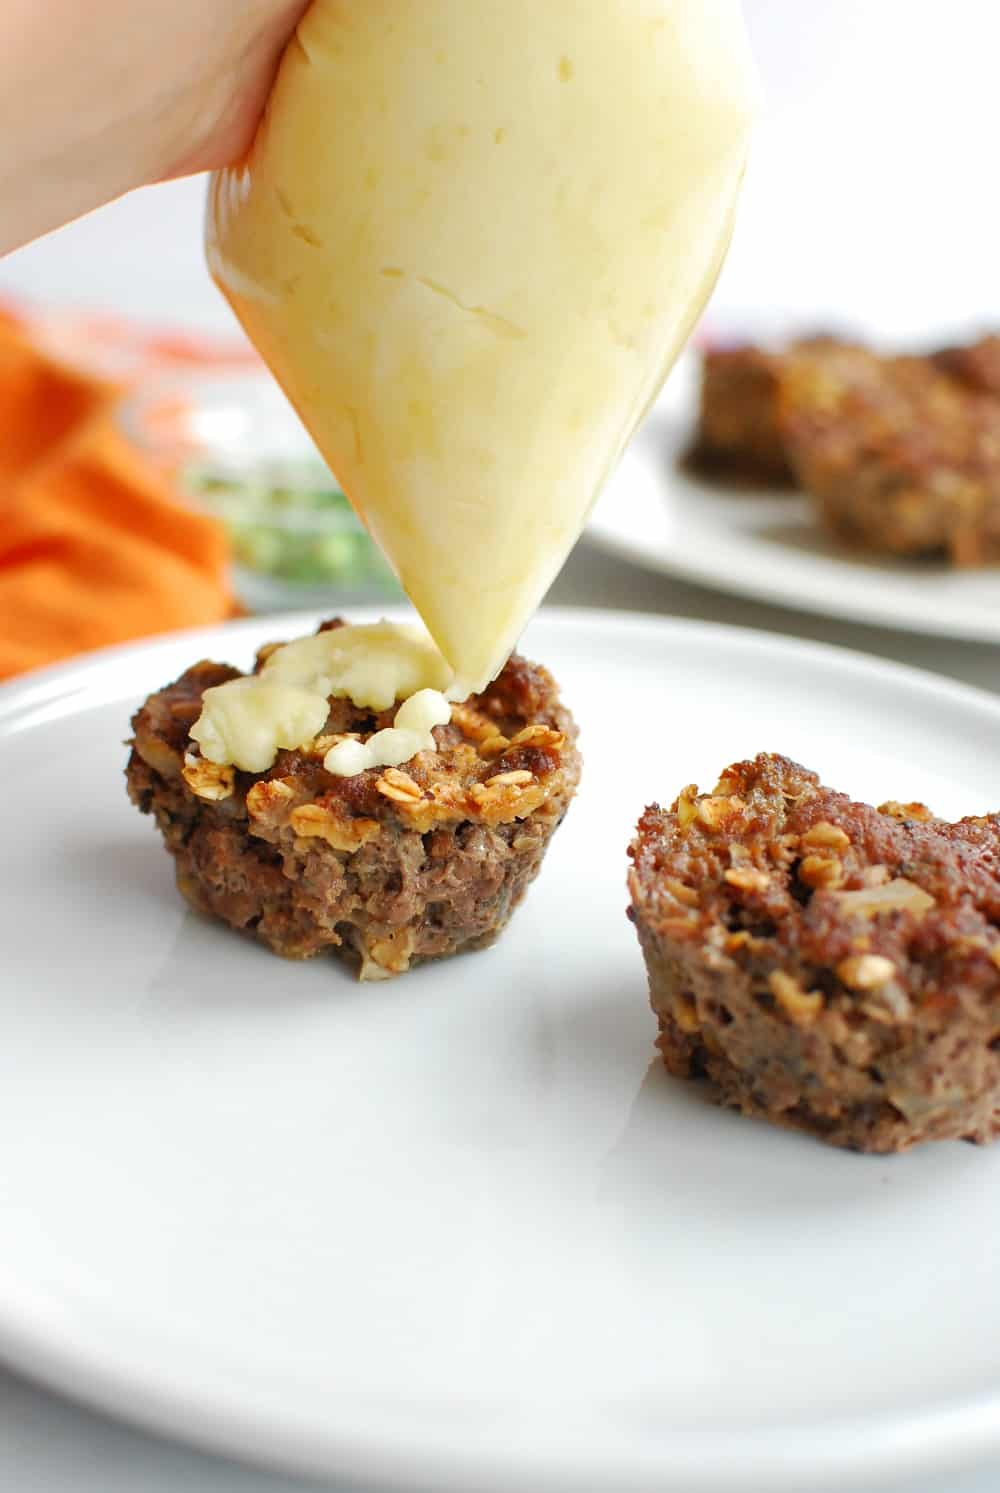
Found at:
[831, 966]
[386, 868]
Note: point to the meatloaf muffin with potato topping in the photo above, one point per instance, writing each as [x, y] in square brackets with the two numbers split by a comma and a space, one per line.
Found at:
[833, 967]
[386, 868]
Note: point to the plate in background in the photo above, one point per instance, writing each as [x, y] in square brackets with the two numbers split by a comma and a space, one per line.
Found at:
[461, 1231]
[769, 545]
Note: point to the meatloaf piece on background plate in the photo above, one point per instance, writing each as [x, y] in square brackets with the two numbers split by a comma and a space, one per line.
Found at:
[739, 439]
[901, 457]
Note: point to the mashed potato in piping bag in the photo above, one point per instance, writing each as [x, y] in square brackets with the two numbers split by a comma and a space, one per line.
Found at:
[470, 240]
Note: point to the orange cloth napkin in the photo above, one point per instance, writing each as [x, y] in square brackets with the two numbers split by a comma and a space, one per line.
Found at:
[94, 546]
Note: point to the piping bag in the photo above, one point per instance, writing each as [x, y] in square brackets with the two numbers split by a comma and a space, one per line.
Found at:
[470, 240]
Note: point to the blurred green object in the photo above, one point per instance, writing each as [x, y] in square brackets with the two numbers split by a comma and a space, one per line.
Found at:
[232, 444]
[291, 526]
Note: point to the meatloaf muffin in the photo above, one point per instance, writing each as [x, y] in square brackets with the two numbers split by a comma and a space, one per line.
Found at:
[739, 439]
[831, 966]
[386, 868]
[901, 456]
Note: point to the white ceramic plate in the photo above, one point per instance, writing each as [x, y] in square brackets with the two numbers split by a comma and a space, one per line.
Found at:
[460, 1232]
[769, 545]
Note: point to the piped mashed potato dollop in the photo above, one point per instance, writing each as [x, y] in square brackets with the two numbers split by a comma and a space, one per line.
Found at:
[246, 722]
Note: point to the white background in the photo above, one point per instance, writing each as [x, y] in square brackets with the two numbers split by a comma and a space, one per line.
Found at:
[872, 202]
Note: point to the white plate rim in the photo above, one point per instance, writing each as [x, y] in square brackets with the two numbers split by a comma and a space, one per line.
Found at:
[951, 1437]
[775, 592]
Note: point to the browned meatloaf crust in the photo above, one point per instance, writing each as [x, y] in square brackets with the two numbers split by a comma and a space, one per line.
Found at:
[976, 365]
[901, 454]
[831, 966]
[739, 439]
[901, 457]
[386, 868]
